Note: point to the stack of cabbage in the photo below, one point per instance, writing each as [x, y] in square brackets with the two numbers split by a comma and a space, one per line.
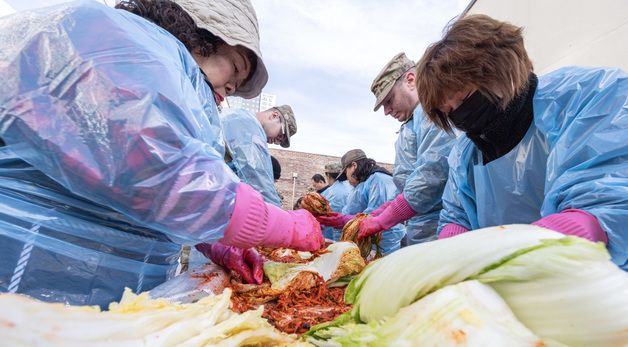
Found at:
[137, 320]
[516, 285]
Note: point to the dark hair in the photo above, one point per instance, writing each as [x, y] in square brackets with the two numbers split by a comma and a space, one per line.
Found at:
[318, 178]
[297, 204]
[177, 21]
[476, 51]
[365, 168]
[276, 168]
[332, 175]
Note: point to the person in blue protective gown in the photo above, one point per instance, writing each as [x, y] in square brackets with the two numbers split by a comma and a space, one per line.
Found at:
[112, 154]
[421, 169]
[276, 168]
[336, 193]
[548, 150]
[247, 136]
[318, 183]
[373, 186]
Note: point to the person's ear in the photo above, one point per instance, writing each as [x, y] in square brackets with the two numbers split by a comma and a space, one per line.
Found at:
[411, 80]
[274, 114]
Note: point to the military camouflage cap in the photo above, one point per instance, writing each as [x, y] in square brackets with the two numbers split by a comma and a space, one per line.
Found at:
[289, 123]
[385, 80]
[333, 168]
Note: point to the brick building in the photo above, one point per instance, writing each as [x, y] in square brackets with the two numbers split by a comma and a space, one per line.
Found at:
[304, 165]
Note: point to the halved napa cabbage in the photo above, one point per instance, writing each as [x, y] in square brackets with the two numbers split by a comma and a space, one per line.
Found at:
[465, 314]
[137, 320]
[564, 288]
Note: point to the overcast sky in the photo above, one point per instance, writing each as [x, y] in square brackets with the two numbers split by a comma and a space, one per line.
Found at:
[322, 57]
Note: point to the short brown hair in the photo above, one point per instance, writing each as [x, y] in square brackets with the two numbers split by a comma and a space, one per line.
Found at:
[476, 51]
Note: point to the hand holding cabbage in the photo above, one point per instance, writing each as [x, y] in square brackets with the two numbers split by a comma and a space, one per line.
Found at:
[248, 263]
[397, 210]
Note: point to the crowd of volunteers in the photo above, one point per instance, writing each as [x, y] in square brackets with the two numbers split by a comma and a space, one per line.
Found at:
[114, 152]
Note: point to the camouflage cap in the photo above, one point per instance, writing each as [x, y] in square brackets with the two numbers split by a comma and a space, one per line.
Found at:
[333, 168]
[289, 123]
[347, 159]
[385, 80]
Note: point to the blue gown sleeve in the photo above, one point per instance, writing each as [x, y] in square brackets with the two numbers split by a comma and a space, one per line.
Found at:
[380, 189]
[125, 120]
[405, 154]
[356, 201]
[424, 186]
[330, 195]
[456, 194]
[585, 116]
[337, 195]
[246, 140]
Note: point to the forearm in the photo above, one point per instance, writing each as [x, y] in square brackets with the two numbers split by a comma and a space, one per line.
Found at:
[574, 222]
[398, 211]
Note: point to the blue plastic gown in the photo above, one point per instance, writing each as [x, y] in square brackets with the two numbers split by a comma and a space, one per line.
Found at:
[247, 142]
[420, 171]
[113, 154]
[367, 196]
[575, 155]
[337, 195]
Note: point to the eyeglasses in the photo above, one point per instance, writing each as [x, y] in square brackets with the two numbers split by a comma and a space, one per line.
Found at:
[277, 140]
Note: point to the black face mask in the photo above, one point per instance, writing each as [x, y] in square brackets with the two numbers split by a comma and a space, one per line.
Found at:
[494, 131]
[475, 113]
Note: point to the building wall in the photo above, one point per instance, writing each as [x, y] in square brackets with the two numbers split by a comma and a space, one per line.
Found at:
[566, 32]
[305, 165]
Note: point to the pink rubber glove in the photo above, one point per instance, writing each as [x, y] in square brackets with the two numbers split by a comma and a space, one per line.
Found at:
[335, 219]
[255, 222]
[574, 222]
[450, 230]
[398, 210]
[246, 262]
[381, 208]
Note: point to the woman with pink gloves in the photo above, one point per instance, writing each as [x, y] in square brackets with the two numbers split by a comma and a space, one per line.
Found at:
[548, 150]
[111, 149]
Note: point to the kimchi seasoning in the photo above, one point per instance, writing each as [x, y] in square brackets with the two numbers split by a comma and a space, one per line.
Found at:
[296, 311]
[285, 255]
